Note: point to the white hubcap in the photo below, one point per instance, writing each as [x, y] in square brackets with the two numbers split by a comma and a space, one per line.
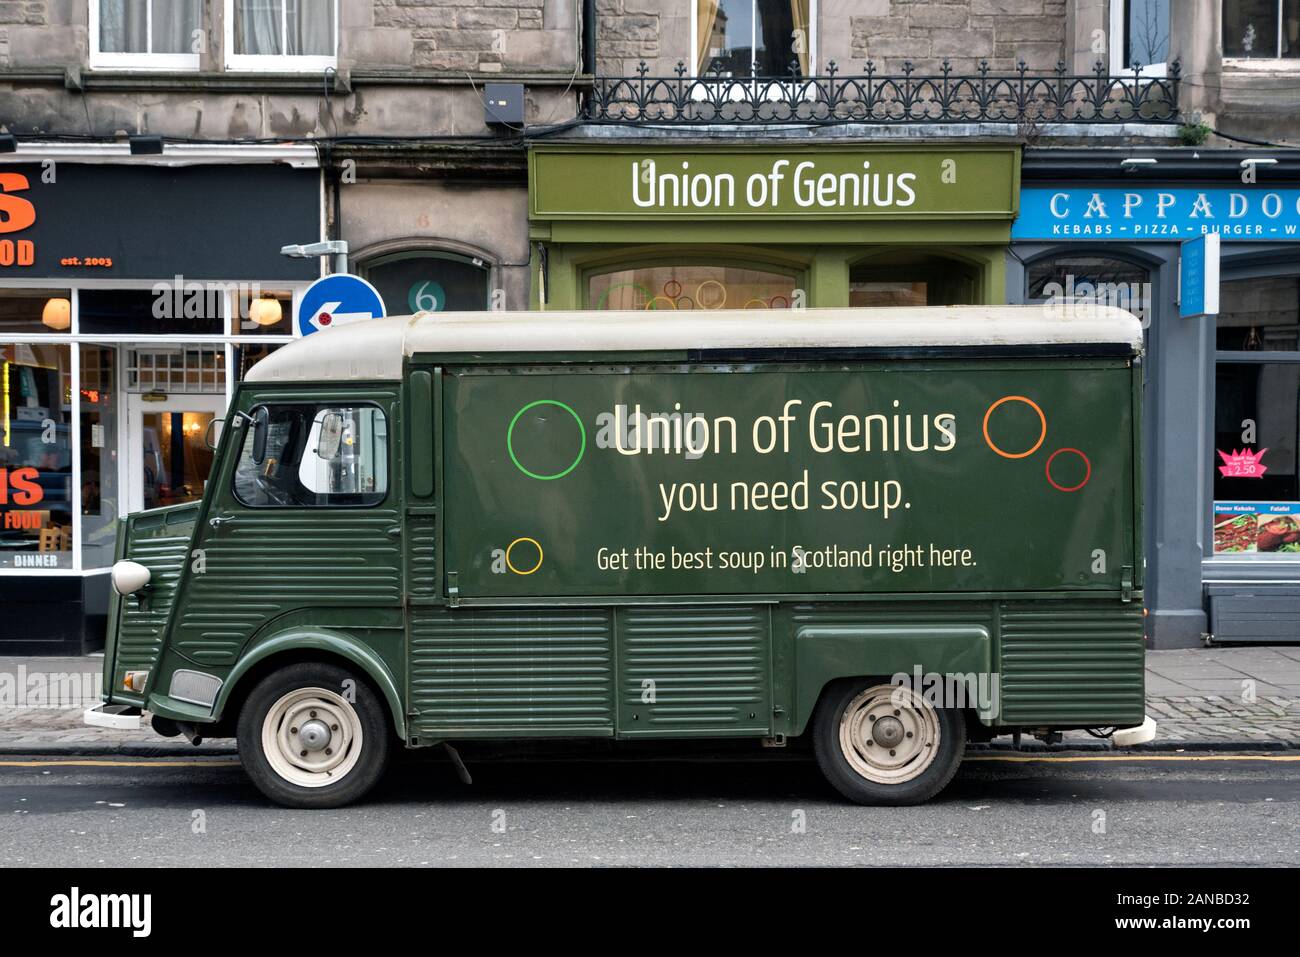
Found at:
[312, 737]
[889, 734]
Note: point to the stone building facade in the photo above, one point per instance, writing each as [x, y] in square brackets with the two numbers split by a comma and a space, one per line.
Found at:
[370, 118]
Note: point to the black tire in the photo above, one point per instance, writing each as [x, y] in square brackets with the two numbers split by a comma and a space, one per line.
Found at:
[370, 714]
[851, 783]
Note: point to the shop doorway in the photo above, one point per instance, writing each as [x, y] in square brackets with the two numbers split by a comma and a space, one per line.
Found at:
[910, 278]
[168, 461]
[173, 394]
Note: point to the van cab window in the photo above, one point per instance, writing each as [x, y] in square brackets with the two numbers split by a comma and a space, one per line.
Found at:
[304, 456]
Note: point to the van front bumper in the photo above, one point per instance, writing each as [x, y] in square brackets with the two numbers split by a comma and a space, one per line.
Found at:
[118, 717]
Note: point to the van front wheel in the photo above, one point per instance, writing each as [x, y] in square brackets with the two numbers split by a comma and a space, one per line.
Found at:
[885, 744]
[313, 735]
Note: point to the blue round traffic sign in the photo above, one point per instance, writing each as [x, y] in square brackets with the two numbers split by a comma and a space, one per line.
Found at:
[336, 301]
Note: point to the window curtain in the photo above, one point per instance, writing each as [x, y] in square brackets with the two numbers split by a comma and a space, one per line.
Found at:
[174, 23]
[257, 27]
[706, 18]
[123, 26]
[801, 38]
[311, 27]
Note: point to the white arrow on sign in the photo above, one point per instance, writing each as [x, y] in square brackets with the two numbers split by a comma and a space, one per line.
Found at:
[319, 321]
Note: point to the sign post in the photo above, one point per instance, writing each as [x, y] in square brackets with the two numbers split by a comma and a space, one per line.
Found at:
[1198, 277]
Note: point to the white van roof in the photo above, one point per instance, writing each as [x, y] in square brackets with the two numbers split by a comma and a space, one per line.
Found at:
[373, 350]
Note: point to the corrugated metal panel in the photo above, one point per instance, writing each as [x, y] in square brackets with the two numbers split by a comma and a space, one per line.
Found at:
[268, 562]
[892, 613]
[421, 556]
[160, 543]
[496, 671]
[707, 667]
[1072, 664]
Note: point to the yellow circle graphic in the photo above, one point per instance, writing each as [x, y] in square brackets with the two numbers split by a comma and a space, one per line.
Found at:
[540, 555]
[699, 294]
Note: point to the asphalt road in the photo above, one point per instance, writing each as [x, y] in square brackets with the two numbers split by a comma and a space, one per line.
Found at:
[1004, 811]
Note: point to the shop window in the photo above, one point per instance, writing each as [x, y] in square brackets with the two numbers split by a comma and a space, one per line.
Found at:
[1256, 454]
[176, 368]
[35, 311]
[35, 456]
[690, 287]
[297, 456]
[281, 35]
[1090, 279]
[145, 34]
[429, 282]
[1256, 497]
[246, 356]
[99, 455]
[905, 279]
[762, 38]
[189, 309]
[1261, 29]
[1139, 33]
[1259, 315]
[262, 312]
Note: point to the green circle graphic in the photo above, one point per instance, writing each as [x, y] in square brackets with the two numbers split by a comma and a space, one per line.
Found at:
[510, 440]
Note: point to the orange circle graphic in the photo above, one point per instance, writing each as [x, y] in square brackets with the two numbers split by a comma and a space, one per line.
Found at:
[1041, 418]
[1087, 474]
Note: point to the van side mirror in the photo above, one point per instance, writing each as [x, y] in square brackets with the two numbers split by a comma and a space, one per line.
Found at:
[210, 436]
[260, 420]
[331, 436]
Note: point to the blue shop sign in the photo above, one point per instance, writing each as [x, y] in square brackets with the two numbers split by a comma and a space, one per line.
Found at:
[1158, 215]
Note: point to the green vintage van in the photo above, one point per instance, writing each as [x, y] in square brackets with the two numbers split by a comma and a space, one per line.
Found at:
[886, 532]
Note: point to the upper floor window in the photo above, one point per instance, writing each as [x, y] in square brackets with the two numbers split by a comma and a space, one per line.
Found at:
[764, 38]
[145, 34]
[281, 35]
[1139, 31]
[1261, 29]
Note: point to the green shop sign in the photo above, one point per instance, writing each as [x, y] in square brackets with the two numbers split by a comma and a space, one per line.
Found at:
[711, 183]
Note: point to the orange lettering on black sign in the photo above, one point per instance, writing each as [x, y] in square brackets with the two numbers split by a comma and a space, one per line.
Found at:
[16, 212]
[26, 489]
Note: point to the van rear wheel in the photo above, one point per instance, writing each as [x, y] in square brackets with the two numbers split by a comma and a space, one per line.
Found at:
[314, 735]
[880, 743]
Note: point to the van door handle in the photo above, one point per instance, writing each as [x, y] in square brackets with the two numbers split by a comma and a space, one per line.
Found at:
[216, 521]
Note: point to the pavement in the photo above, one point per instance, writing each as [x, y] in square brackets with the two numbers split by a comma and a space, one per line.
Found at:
[1213, 699]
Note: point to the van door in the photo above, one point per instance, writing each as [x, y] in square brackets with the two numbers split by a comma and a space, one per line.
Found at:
[303, 528]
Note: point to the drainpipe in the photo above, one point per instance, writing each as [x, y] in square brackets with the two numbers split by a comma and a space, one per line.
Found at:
[589, 37]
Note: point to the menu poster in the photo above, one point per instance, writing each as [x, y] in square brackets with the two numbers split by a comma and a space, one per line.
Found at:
[1269, 527]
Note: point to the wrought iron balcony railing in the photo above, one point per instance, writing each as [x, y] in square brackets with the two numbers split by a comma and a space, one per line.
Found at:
[1023, 97]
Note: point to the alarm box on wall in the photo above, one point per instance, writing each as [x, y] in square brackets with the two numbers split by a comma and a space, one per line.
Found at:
[504, 105]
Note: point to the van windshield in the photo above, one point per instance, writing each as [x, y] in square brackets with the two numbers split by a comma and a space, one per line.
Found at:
[306, 456]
